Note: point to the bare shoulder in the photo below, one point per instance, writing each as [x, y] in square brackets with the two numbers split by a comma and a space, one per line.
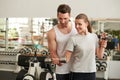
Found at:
[51, 30]
[51, 33]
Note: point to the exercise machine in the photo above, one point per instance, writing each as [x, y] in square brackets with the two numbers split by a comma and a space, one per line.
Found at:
[36, 67]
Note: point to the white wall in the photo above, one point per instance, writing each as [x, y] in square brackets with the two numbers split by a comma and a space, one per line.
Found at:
[114, 70]
[47, 8]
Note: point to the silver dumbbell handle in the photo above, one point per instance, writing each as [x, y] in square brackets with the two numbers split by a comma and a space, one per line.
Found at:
[63, 60]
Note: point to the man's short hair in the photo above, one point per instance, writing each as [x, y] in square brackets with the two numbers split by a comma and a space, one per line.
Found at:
[64, 8]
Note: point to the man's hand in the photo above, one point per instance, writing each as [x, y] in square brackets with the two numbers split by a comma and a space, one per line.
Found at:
[56, 61]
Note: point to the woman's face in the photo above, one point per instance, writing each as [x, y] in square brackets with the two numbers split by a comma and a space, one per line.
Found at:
[81, 25]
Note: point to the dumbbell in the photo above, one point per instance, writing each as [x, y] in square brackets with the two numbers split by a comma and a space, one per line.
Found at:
[98, 64]
[103, 66]
[62, 60]
[105, 56]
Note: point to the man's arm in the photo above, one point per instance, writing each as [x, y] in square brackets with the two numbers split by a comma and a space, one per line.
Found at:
[52, 45]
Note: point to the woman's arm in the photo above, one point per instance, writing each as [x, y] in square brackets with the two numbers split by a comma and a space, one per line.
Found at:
[68, 55]
[102, 45]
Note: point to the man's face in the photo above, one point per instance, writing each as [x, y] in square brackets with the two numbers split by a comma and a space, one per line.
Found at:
[63, 18]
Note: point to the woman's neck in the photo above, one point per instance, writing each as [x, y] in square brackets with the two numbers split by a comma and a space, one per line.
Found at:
[84, 32]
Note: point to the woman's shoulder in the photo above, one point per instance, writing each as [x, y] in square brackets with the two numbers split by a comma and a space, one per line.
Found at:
[94, 34]
[75, 35]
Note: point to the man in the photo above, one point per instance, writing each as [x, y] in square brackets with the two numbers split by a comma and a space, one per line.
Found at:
[57, 40]
[116, 42]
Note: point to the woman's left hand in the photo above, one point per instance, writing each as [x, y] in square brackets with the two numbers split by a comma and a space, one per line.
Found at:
[103, 40]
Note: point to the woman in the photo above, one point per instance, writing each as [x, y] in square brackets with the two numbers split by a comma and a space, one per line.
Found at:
[83, 48]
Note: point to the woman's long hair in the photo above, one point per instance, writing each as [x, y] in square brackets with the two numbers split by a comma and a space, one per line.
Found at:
[83, 16]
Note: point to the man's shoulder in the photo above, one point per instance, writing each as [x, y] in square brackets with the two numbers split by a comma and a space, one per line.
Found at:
[51, 32]
[52, 29]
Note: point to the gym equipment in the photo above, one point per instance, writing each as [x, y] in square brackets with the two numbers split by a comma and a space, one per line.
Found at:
[116, 57]
[38, 67]
[25, 50]
[103, 66]
[98, 64]
[108, 52]
[8, 59]
[105, 56]
[110, 45]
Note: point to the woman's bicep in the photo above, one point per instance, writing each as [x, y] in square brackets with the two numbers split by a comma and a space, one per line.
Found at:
[68, 55]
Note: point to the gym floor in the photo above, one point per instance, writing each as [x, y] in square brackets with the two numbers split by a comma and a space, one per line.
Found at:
[6, 75]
